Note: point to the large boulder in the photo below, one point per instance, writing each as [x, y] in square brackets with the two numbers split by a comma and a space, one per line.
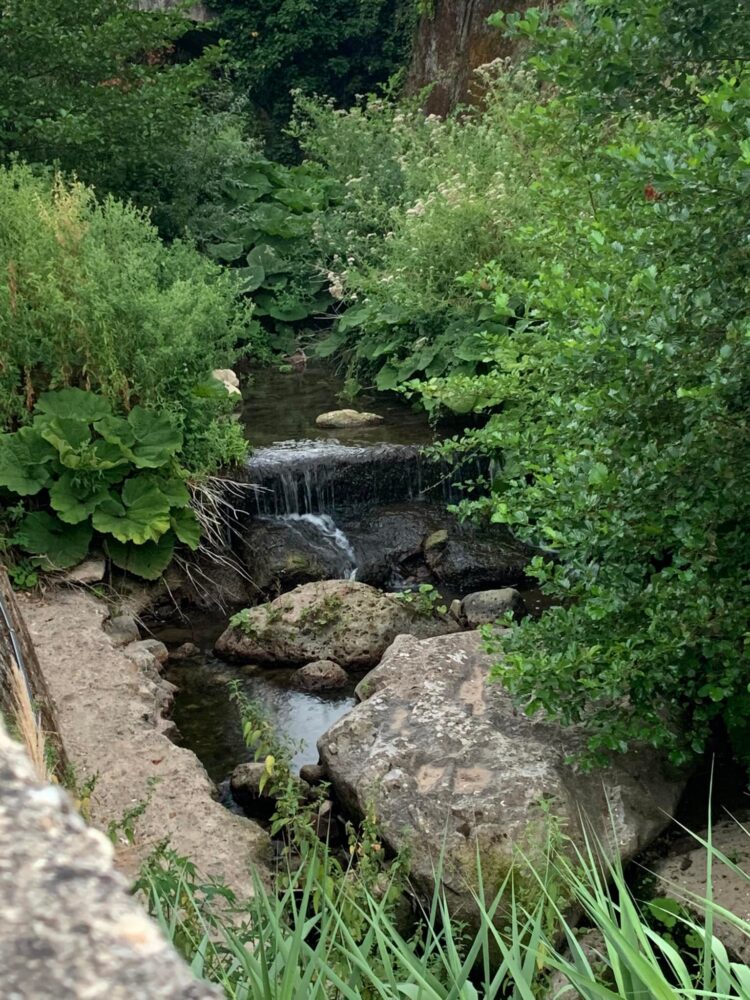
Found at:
[682, 876]
[447, 762]
[341, 620]
[485, 606]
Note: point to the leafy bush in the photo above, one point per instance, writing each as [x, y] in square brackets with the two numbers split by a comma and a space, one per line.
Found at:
[91, 298]
[103, 476]
[339, 49]
[262, 224]
[617, 400]
[569, 264]
[424, 202]
[92, 87]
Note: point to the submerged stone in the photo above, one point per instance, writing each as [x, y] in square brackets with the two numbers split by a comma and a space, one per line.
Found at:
[348, 418]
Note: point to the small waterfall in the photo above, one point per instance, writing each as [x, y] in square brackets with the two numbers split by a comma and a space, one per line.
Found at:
[330, 537]
[327, 477]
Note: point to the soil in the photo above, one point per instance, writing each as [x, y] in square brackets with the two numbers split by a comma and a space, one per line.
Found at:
[110, 718]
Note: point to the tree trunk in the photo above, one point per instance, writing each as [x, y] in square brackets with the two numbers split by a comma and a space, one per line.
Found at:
[452, 43]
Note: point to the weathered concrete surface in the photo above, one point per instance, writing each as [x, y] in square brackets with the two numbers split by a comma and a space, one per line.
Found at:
[341, 620]
[444, 758]
[452, 44]
[68, 927]
[110, 717]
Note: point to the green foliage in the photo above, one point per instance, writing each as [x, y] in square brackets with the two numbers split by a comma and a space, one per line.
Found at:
[280, 944]
[261, 224]
[91, 298]
[583, 294]
[623, 431]
[425, 600]
[102, 475]
[641, 55]
[339, 49]
[92, 87]
[364, 868]
[423, 201]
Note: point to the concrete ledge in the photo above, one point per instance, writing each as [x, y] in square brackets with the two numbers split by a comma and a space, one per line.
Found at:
[68, 927]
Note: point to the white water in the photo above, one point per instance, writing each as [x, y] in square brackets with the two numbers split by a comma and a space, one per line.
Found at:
[331, 536]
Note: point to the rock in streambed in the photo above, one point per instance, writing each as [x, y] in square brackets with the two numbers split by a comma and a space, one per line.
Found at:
[448, 764]
[341, 620]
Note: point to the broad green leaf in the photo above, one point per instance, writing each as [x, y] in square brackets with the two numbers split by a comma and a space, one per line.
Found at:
[142, 516]
[250, 278]
[57, 545]
[212, 388]
[157, 437]
[78, 404]
[268, 258]
[148, 560]
[67, 434]
[75, 497]
[116, 430]
[186, 527]
[226, 252]
[25, 462]
[173, 488]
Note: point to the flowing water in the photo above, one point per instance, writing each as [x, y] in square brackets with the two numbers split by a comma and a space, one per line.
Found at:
[310, 482]
[283, 407]
[207, 719]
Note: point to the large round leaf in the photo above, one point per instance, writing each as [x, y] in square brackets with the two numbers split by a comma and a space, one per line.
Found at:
[25, 460]
[141, 516]
[73, 403]
[57, 545]
[187, 527]
[157, 437]
[148, 560]
[75, 497]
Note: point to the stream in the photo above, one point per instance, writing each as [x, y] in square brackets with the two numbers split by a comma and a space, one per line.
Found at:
[347, 504]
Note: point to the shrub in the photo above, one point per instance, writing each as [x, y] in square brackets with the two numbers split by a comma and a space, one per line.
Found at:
[91, 86]
[424, 202]
[91, 298]
[617, 402]
[261, 222]
[339, 49]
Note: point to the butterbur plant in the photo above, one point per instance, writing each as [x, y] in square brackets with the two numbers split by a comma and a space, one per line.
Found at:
[84, 472]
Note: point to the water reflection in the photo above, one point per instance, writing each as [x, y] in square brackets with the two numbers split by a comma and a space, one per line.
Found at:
[209, 724]
[282, 407]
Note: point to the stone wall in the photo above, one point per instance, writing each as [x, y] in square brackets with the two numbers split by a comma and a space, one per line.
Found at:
[452, 44]
[68, 926]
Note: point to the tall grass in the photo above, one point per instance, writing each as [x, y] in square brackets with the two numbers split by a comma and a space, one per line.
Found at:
[300, 941]
[25, 721]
